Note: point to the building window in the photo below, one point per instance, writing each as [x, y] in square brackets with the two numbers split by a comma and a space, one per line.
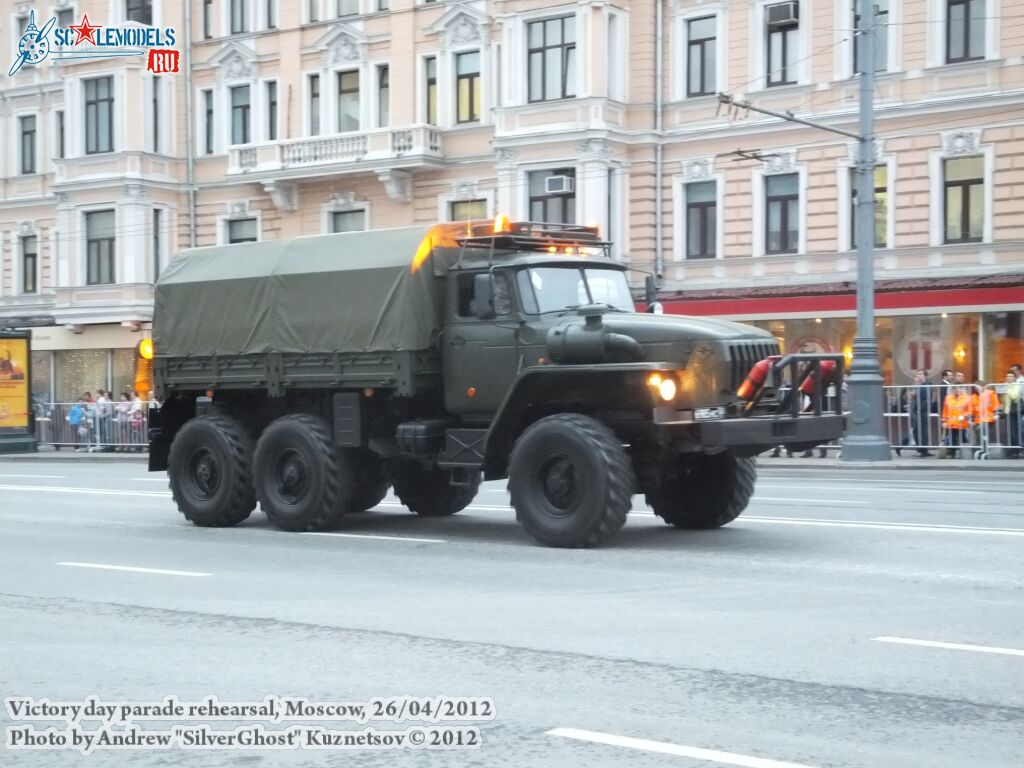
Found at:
[65, 17]
[207, 19]
[701, 218]
[271, 14]
[272, 110]
[22, 25]
[242, 231]
[27, 130]
[348, 101]
[99, 115]
[156, 115]
[782, 213]
[208, 122]
[700, 57]
[881, 35]
[553, 196]
[346, 7]
[881, 207]
[314, 10]
[29, 264]
[383, 95]
[239, 16]
[60, 134]
[783, 26]
[240, 108]
[467, 87]
[383, 5]
[348, 221]
[99, 247]
[140, 11]
[430, 68]
[965, 30]
[157, 242]
[467, 210]
[551, 63]
[314, 105]
[964, 199]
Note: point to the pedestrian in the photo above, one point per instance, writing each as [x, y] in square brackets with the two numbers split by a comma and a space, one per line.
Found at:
[104, 419]
[1013, 412]
[122, 421]
[138, 422]
[943, 389]
[77, 419]
[919, 405]
[956, 416]
[985, 403]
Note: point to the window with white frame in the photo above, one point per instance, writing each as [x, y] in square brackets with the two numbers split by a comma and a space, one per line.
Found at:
[271, 13]
[208, 122]
[241, 112]
[243, 230]
[467, 87]
[22, 25]
[314, 105]
[271, 89]
[881, 206]
[964, 199]
[346, 8]
[348, 101]
[155, 113]
[552, 195]
[782, 23]
[207, 19]
[700, 56]
[701, 220]
[782, 213]
[348, 221]
[29, 264]
[65, 17]
[140, 11]
[551, 59]
[99, 115]
[27, 132]
[467, 210]
[239, 16]
[313, 11]
[965, 30]
[881, 35]
[60, 138]
[158, 247]
[383, 95]
[430, 90]
[100, 247]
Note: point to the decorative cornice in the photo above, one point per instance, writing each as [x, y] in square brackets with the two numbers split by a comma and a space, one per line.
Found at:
[966, 141]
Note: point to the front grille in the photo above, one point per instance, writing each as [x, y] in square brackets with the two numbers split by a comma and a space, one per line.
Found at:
[743, 356]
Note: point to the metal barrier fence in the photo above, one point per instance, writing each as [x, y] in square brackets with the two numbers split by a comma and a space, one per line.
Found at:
[117, 426]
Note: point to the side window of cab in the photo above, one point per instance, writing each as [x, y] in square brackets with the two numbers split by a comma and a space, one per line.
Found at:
[502, 294]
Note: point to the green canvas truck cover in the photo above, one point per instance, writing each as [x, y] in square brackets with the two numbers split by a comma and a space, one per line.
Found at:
[349, 292]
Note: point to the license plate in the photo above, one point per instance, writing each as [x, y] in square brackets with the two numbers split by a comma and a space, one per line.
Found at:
[706, 414]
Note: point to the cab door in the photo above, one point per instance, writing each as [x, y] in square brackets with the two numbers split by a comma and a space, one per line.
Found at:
[481, 357]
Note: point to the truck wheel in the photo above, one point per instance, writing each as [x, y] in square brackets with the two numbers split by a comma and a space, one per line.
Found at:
[303, 481]
[571, 481]
[210, 469]
[371, 484]
[704, 491]
[428, 492]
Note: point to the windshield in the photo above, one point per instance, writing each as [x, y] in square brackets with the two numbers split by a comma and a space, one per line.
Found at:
[549, 289]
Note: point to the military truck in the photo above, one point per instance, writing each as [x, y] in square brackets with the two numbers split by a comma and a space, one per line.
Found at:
[312, 374]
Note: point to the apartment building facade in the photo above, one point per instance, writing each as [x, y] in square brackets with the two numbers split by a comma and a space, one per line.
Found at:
[293, 117]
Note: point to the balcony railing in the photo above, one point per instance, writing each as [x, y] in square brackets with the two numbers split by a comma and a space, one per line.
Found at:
[376, 147]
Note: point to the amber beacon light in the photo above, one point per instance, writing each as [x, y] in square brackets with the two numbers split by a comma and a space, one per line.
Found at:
[146, 349]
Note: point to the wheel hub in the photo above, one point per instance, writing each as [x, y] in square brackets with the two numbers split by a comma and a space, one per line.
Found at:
[560, 482]
[205, 474]
[292, 477]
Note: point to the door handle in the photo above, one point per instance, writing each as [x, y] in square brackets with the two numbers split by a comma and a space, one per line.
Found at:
[458, 341]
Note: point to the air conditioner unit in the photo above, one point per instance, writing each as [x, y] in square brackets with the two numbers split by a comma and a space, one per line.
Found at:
[554, 185]
[783, 14]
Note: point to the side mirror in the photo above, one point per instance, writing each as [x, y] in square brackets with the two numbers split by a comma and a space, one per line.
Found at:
[650, 290]
[483, 297]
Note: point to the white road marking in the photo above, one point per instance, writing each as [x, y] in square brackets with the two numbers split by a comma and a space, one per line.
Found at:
[809, 501]
[150, 479]
[93, 491]
[886, 489]
[40, 477]
[927, 527]
[951, 646]
[160, 571]
[889, 481]
[372, 536]
[678, 750]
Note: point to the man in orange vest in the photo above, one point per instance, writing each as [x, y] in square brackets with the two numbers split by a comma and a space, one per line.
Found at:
[957, 416]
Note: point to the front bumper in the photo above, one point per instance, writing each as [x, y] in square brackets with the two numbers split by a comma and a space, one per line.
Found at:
[753, 432]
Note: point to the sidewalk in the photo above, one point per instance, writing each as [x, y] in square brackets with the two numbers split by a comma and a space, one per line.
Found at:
[765, 461]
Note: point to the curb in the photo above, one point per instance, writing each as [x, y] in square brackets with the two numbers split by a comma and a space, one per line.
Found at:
[71, 458]
[933, 465]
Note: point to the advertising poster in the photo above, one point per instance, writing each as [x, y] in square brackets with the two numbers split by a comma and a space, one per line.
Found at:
[14, 392]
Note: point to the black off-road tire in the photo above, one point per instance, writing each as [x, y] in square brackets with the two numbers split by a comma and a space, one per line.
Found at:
[571, 481]
[210, 471]
[429, 492]
[703, 492]
[304, 482]
[371, 482]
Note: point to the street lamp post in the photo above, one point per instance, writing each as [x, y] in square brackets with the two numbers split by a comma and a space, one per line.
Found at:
[865, 434]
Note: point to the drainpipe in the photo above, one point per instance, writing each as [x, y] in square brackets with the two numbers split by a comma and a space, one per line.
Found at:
[659, 257]
[190, 129]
